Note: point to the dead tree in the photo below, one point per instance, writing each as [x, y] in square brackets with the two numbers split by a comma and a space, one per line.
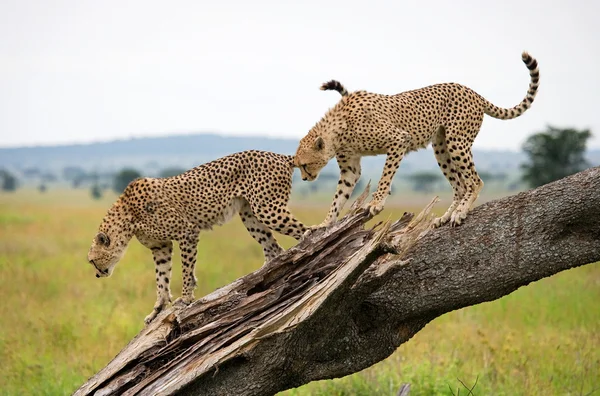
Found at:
[346, 297]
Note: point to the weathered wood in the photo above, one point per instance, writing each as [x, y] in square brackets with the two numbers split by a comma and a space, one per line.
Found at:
[346, 297]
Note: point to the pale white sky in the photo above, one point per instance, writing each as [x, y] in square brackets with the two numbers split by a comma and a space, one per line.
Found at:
[82, 71]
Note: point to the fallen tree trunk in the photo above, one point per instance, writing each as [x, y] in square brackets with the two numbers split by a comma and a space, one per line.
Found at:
[346, 297]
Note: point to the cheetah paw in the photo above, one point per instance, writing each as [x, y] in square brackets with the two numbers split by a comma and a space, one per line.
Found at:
[438, 222]
[183, 302]
[313, 228]
[158, 307]
[152, 316]
[309, 230]
[457, 218]
[375, 207]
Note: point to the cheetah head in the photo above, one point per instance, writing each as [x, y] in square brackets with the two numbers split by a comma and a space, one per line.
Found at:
[104, 254]
[312, 155]
[110, 243]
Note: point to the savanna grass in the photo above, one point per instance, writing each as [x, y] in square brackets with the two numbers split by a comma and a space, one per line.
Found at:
[59, 324]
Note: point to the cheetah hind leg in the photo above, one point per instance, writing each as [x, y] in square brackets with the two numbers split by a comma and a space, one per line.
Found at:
[449, 170]
[456, 200]
[260, 233]
[474, 185]
[467, 204]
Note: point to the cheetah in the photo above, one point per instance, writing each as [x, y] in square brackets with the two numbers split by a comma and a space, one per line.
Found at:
[158, 211]
[447, 115]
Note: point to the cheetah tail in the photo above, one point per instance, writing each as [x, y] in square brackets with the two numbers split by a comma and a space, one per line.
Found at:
[507, 114]
[334, 85]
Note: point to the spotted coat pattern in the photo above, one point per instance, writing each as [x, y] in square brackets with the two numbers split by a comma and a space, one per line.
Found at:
[157, 211]
[449, 116]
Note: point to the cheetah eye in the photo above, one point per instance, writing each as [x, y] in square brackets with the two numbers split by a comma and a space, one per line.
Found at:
[103, 239]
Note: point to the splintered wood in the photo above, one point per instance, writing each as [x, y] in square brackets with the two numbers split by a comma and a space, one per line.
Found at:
[183, 344]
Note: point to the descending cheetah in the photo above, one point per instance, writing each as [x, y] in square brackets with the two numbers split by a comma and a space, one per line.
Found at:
[255, 184]
[362, 123]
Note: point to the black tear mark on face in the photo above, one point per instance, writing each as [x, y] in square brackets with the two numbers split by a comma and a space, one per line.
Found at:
[307, 172]
[99, 271]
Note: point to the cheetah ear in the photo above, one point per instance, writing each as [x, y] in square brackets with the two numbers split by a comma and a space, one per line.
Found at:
[103, 239]
[319, 143]
[149, 207]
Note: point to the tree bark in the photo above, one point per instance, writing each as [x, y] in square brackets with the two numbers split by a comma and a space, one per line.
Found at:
[346, 297]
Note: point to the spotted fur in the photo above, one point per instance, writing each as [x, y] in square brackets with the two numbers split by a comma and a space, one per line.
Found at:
[448, 116]
[254, 184]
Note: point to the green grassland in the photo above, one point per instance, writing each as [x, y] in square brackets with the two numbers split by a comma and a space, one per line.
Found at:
[59, 324]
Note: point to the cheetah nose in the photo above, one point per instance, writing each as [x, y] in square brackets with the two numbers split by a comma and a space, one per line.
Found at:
[97, 275]
[305, 178]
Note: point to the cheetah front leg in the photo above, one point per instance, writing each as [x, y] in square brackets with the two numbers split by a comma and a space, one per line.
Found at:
[162, 261]
[395, 152]
[349, 174]
[189, 250]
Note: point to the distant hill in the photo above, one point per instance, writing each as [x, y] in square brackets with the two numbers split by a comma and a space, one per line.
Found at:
[182, 151]
[150, 155]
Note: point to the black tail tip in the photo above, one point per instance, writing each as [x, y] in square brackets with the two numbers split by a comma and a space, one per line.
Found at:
[331, 85]
[529, 61]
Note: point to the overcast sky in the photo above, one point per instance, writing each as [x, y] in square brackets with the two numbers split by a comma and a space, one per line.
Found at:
[83, 71]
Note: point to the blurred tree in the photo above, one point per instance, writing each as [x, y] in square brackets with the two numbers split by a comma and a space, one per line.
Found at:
[328, 176]
[8, 180]
[500, 177]
[75, 175]
[324, 182]
[78, 181]
[514, 186]
[48, 177]
[72, 172]
[123, 178]
[31, 172]
[485, 176]
[42, 188]
[314, 186]
[96, 191]
[172, 171]
[492, 177]
[424, 181]
[393, 189]
[554, 154]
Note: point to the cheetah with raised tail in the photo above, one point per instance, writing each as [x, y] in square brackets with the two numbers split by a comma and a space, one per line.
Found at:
[448, 116]
[254, 184]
